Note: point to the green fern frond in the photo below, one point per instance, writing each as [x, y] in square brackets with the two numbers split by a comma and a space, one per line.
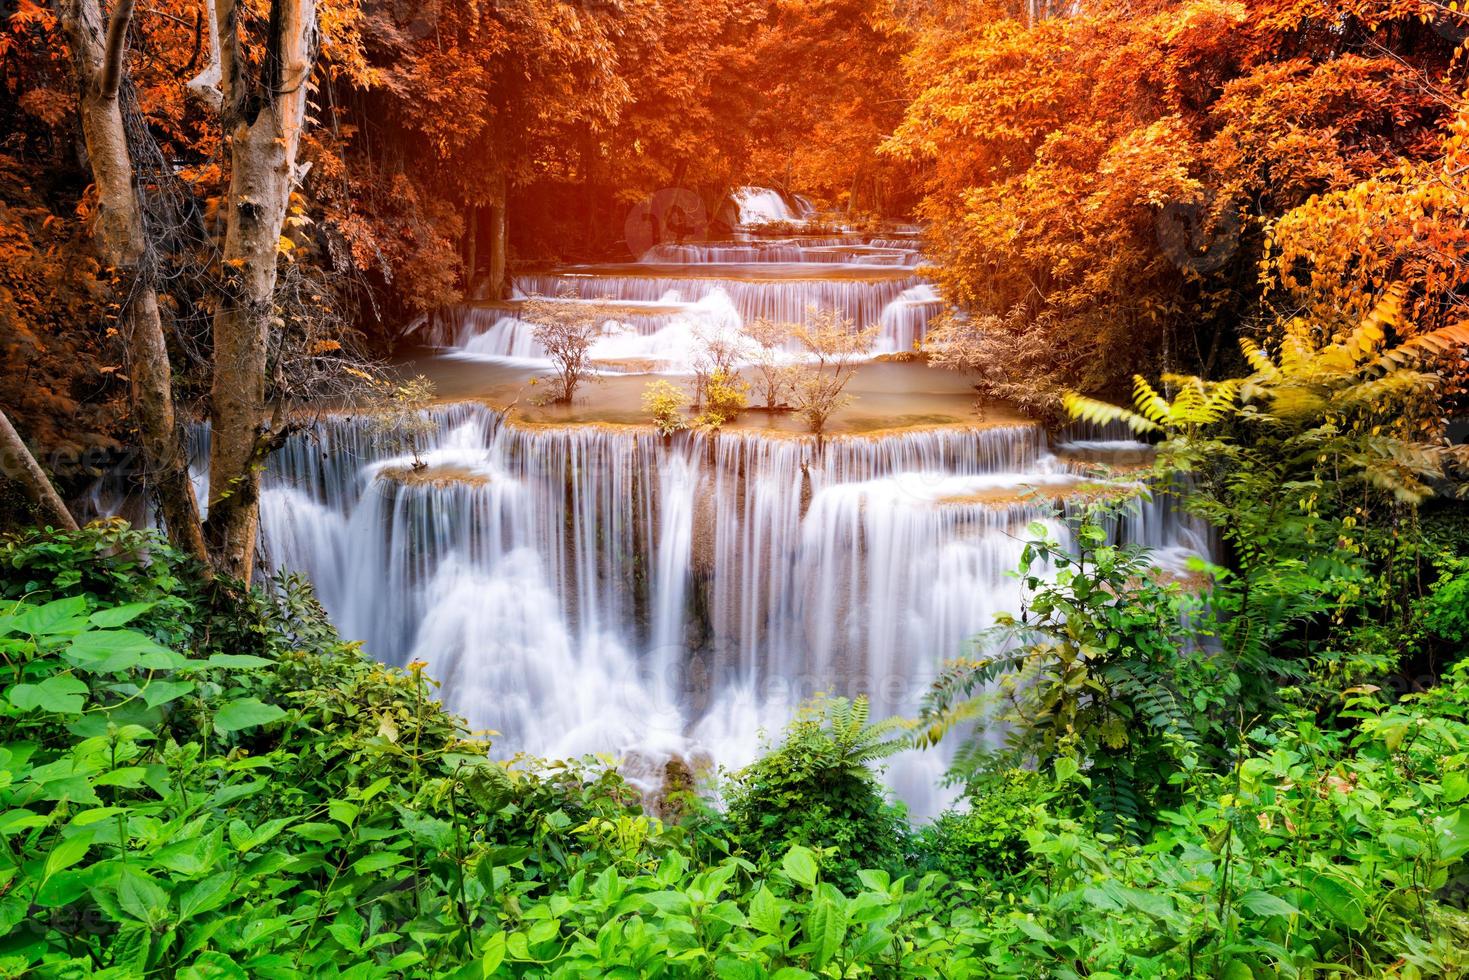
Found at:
[1150, 405]
[1389, 389]
[1097, 412]
[1222, 400]
[1264, 367]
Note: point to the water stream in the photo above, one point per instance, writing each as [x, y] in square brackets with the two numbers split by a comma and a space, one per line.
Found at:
[594, 588]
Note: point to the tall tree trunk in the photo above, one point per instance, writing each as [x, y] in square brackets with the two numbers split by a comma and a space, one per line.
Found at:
[499, 238]
[471, 248]
[21, 466]
[98, 57]
[265, 129]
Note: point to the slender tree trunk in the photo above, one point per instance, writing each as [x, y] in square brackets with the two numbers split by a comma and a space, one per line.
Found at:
[499, 238]
[471, 247]
[98, 57]
[21, 466]
[265, 129]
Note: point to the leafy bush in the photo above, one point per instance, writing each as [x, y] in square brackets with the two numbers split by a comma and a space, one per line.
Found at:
[725, 397]
[171, 804]
[228, 814]
[1097, 673]
[664, 402]
[817, 789]
[989, 839]
[1445, 610]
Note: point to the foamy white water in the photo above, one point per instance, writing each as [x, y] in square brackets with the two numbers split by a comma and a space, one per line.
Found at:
[591, 589]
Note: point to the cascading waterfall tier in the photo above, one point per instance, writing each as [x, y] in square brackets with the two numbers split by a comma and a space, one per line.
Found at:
[662, 309]
[600, 589]
[829, 251]
[780, 292]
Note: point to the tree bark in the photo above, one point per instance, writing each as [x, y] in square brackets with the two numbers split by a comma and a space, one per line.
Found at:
[21, 466]
[205, 85]
[471, 248]
[265, 129]
[119, 228]
[499, 239]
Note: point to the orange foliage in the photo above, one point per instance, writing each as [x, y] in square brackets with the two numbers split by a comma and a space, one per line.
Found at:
[1112, 174]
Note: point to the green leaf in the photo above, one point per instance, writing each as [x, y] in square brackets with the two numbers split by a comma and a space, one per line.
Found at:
[245, 839]
[162, 692]
[1453, 834]
[766, 912]
[67, 853]
[799, 865]
[140, 896]
[1345, 902]
[213, 965]
[494, 954]
[15, 821]
[47, 620]
[116, 651]
[377, 861]
[825, 928]
[321, 833]
[205, 896]
[120, 615]
[343, 812]
[1266, 904]
[128, 777]
[246, 713]
[241, 660]
[1237, 970]
[61, 693]
[671, 902]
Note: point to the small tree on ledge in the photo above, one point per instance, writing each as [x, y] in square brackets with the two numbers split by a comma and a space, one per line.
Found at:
[768, 357]
[836, 345]
[566, 331]
[403, 422]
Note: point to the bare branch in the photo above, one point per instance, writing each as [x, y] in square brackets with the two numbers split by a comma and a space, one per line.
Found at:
[117, 39]
[28, 473]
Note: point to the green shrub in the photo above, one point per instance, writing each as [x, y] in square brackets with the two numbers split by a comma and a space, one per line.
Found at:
[173, 806]
[1445, 611]
[1098, 673]
[202, 809]
[987, 840]
[817, 789]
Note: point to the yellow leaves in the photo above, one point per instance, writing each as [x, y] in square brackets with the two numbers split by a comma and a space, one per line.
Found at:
[1151, 405]
[1102, 413]
[1257, 358]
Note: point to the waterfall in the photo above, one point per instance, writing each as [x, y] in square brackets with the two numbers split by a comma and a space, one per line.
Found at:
[598, 589]
[829, 251]
[904, 321]
[761, 205]
[782, 293]
[658, 307]
[595, 588]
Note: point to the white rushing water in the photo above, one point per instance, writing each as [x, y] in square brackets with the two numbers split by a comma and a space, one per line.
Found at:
[761, 205]
[593, 589]
[680, 290]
